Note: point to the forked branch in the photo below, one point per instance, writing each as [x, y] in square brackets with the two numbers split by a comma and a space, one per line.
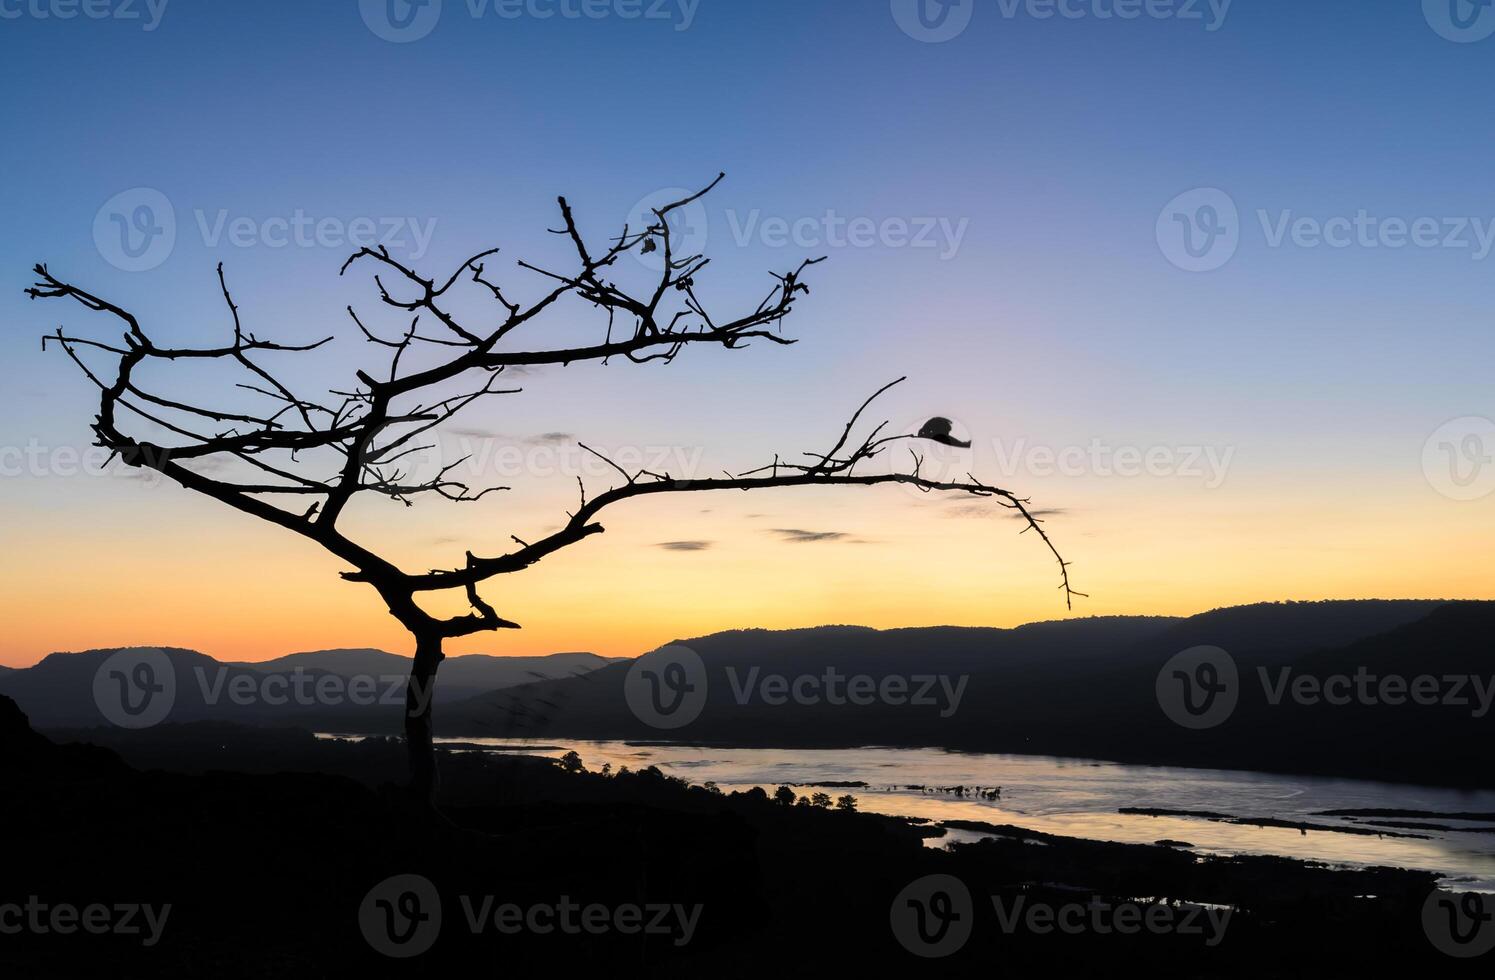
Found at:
[367, 437]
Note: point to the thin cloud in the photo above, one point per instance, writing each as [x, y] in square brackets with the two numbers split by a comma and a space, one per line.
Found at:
[472, 433]
[996, 510]
[543, 439]
[685, 545]
[797, 536]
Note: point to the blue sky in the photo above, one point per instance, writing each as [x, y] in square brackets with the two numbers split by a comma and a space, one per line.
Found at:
[1051, 143]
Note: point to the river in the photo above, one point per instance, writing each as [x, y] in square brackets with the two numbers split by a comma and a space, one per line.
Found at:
[1080, 798]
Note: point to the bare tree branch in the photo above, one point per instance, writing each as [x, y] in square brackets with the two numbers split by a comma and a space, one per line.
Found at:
[366, 437]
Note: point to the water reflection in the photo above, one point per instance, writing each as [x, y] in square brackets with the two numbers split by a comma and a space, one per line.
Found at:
[1079, 798]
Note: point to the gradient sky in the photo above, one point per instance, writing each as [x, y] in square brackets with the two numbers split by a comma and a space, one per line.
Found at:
[1315, 375]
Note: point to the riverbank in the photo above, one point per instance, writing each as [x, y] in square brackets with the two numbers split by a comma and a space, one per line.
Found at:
[263, 868]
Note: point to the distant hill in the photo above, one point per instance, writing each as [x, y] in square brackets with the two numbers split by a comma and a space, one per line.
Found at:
[362, 690]
[1082, 688]
[461, 676]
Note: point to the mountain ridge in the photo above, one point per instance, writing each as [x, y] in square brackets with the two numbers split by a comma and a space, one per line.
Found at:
[1085, 687]
[1095, 698]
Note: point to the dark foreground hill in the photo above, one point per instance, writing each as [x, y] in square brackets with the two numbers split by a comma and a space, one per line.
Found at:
[320, 872]
[1081, 688]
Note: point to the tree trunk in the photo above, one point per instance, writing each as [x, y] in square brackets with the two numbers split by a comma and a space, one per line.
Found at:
[419, 697]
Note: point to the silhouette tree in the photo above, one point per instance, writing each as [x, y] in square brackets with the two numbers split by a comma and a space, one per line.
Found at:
[784, 796]
[299, 462]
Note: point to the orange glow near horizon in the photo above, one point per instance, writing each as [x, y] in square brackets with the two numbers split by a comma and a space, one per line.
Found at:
[184, 572]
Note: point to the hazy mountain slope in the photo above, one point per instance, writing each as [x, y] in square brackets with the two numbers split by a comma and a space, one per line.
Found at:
[595, 706]
[343, 662]
[461, 676]
[340, 690]
[1084, 688]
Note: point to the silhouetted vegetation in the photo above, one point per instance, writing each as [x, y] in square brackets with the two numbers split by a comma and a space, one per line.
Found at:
[253, 892]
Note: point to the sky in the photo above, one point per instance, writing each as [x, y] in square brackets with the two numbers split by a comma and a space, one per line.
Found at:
[1209, 282]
